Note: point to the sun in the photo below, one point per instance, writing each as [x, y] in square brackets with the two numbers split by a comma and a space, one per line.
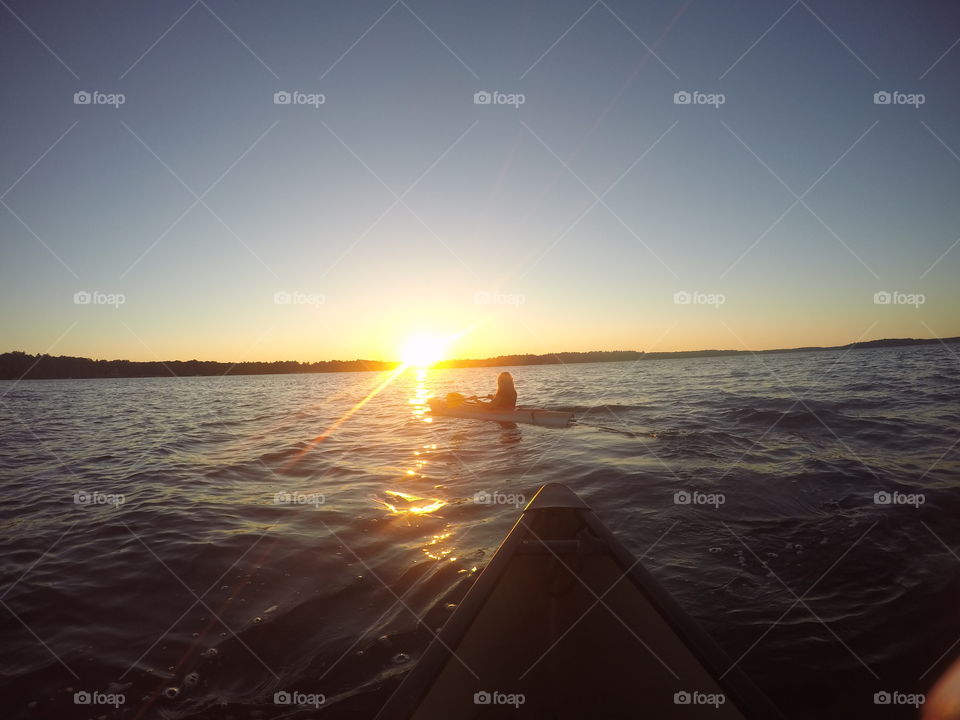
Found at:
[423, 351]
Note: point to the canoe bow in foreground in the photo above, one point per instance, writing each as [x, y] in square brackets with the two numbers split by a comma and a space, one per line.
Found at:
[565, 623]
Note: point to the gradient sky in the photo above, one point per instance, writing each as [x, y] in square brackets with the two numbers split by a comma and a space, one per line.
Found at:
[494, 199]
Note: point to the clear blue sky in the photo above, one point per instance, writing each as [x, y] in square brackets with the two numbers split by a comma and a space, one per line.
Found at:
[502, 201]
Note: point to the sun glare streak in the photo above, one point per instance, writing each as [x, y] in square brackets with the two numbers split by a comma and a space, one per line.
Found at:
[347, 415]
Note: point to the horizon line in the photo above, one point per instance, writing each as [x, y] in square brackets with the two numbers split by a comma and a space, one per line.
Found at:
[556, 353]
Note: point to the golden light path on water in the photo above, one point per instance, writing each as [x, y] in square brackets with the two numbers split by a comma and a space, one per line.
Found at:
[404, 501]
[410, 502]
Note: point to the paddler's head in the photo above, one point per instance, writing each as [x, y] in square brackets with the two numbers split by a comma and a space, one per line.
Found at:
[504, 381]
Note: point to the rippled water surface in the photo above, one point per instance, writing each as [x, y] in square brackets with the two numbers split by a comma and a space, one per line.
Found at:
[197, 580]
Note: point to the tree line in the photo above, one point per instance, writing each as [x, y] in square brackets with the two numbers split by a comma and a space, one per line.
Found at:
[19, 364]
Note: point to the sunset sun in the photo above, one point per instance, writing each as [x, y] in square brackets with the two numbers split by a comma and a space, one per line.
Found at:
[423, 351]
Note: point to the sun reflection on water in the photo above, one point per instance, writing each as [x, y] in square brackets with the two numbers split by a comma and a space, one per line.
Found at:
[420, 396]
[402, 503]
[434, 549]
[414, 501]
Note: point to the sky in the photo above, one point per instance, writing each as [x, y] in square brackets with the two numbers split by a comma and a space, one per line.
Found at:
[187, 211]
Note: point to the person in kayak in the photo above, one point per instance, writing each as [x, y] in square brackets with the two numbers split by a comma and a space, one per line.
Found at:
[506, 397]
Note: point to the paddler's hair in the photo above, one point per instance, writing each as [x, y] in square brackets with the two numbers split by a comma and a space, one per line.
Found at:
[504, 380]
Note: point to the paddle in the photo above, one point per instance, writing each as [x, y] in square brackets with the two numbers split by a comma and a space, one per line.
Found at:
[454, 399]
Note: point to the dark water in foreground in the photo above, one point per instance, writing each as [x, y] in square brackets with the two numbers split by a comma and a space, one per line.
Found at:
[200, 581]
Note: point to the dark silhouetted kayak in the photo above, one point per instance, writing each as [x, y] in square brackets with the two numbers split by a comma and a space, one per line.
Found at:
[564, 623]
[475, 411]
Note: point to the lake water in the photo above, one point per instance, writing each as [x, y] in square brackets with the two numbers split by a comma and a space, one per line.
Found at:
[144, 552]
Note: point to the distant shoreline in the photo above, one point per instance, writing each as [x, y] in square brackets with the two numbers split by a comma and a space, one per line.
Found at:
[21, 366]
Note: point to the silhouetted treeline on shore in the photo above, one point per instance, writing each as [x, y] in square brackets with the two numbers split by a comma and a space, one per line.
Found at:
[35, 367]
[893, 342]
[14, 365]
[561, 358]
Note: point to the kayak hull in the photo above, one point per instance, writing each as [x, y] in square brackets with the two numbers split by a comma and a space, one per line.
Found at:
[529, 416]
[564, 618]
